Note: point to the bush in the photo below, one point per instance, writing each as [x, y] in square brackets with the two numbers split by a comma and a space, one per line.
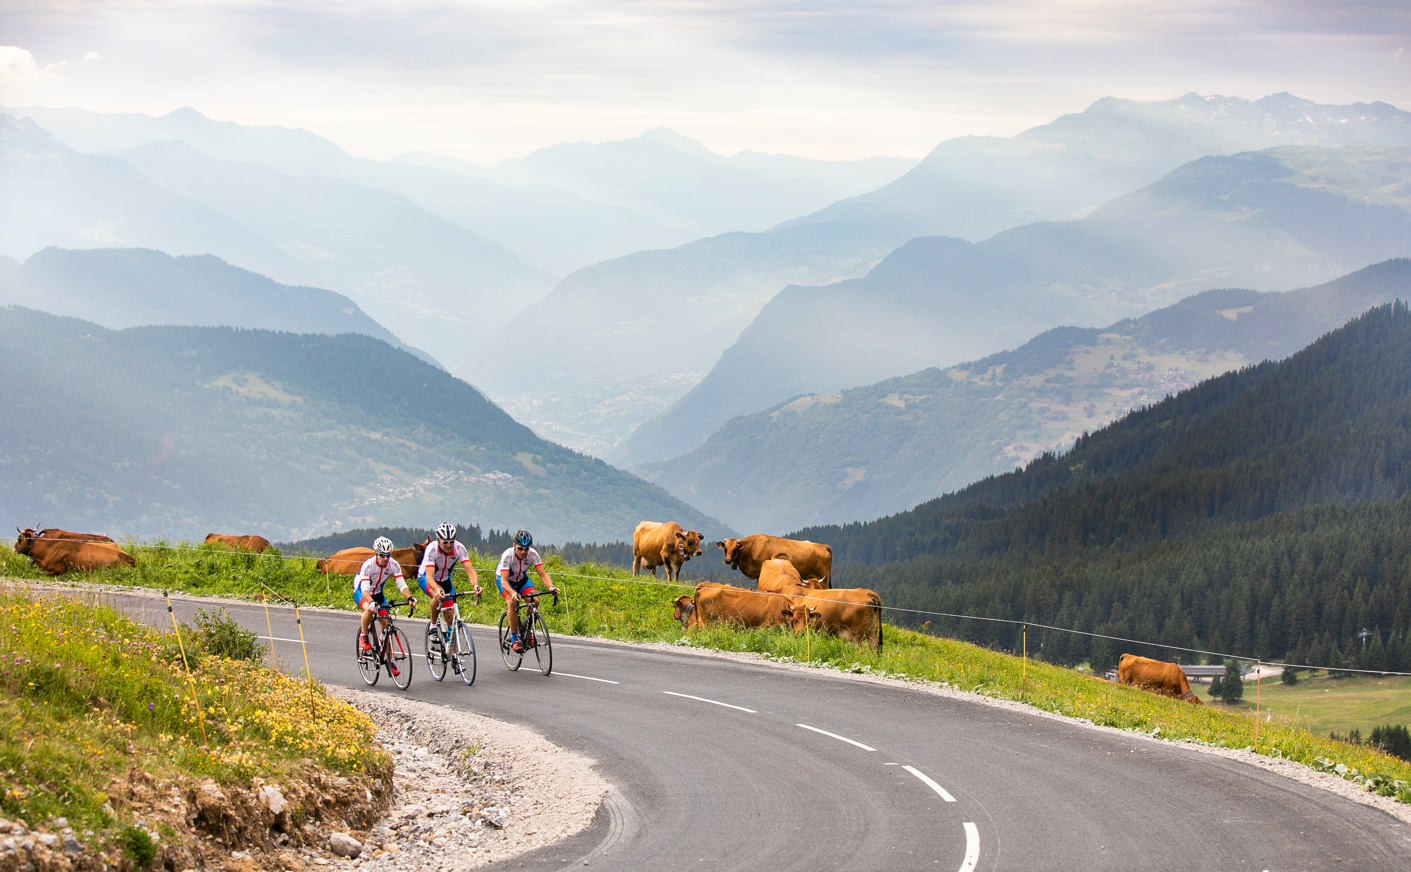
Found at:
[137, 844]
[1232, 688]
[217, 633]
[1289, 676]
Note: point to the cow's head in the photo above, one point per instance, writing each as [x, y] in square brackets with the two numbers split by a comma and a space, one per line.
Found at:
[25, 543]
[693, 543]
[813, 584]
[1192, 698]
[731, 547]
[419, 549]
[681, 609]
[798, 614]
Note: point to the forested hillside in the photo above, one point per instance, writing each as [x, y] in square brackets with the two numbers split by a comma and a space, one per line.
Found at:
[883, 448]
[1246, 515]
[1327, 425]
[179, 431]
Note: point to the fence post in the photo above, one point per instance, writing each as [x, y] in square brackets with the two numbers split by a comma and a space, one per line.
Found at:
[313, 707]
[1024, 673]
[1258, 674]
[269, 628]
[176, 628]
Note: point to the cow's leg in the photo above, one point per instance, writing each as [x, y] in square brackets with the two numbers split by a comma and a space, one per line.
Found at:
[636, 562]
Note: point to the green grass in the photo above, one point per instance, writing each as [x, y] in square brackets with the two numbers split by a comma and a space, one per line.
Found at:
[1321, 704]
[609, 602]
[87, 694]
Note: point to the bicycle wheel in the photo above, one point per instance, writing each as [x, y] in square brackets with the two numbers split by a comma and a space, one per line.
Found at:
[435, 652]
[367, 660]
[399, 658]
[463, 647]
[512, 660]
[543, 648]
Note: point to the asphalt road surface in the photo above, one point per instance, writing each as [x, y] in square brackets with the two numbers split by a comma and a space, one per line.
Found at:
[721, 765]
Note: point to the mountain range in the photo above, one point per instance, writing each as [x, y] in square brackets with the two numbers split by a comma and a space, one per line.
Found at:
[883, 448]
[117, 288]
[1263, 513]
[178, 431]
[1265, 220]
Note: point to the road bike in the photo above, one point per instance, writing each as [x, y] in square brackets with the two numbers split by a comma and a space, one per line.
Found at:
[450, 643]
[388, 649]
[533, 632]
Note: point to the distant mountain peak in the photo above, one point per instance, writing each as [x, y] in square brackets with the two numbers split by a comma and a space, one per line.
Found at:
[22, 138]
[684, 144]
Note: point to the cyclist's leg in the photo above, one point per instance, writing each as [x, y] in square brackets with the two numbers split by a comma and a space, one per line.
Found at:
[364, 601]
[448, 610]
[510, 607]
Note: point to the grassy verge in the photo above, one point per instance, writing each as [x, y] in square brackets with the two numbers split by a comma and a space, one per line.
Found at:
[608, 602]
[90, 701]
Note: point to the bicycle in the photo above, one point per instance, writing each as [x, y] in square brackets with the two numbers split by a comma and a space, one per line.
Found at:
[536, 638]
[457, 636]
[389, 649]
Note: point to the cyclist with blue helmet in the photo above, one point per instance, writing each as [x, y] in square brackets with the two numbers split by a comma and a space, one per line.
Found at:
[512, 575]
[434, 574]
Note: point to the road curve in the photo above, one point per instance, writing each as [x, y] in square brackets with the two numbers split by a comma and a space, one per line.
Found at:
[733, 766]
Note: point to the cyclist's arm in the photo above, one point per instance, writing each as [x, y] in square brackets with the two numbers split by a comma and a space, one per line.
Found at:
[511, 595]
[470, 573]
[544, 576]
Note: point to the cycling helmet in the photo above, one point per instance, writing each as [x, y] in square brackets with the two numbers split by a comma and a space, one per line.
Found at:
[382, 546]
[522, 538]
[446, 532]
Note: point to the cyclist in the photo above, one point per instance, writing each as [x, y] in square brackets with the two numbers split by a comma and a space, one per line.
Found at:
[376, 571]
[434, 574]
[512, 575]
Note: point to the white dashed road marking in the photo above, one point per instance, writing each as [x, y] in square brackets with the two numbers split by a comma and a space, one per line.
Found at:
[972, 848]
[838, 737]
[711, 701]
[926, 780]
[586, 677]
[278, 639]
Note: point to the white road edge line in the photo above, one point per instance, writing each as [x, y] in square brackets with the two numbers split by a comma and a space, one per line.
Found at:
[586, 677]
[278, 639]
[838, 737]
[972, 848]
[711, 701]
[926, 780]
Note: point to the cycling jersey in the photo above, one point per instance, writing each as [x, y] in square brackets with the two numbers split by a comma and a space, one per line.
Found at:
[518, 566]
[371, 578]
[436, 565]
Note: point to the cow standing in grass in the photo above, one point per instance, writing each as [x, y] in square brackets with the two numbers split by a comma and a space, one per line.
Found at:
[666, 545]
[811, 559]
[1157, 676]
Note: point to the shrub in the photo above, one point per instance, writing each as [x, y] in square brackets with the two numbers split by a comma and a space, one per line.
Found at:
[1289, 676]
[219, 634]
[137, 844]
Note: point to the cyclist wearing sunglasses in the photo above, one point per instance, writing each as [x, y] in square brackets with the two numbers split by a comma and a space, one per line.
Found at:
[512, 575]
[376, 571]
[434, 574]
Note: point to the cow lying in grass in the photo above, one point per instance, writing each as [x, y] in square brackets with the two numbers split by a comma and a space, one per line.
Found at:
[852, 614]
[1157, 676]
[350, 560]
[257, 544]
[57, 556]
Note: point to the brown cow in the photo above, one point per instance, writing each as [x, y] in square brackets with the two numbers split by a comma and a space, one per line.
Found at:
[853, 614]
[778, 575]
[1157, 676]
[715, 602]
[666, 545]
[350, 560]
[749, 554]
[345, 562]
[58, 556]
[257, 544]
[56, 533]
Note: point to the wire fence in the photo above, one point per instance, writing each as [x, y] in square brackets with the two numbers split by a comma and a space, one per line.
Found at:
[1016, 622]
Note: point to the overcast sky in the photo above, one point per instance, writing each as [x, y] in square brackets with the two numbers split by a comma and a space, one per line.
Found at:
[490, 80]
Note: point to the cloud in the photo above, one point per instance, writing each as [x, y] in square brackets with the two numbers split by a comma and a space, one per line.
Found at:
[16, 63]
[92, 56]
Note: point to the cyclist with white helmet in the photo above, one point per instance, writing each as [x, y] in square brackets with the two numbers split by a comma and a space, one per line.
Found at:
[376, 571]
[512, 576]
[434, 574]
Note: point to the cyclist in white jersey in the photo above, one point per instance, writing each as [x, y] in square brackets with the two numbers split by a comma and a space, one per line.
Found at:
[376, 571]
[434, 574]
[512, 576]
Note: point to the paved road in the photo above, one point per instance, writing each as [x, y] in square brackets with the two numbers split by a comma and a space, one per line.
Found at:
[726, 766]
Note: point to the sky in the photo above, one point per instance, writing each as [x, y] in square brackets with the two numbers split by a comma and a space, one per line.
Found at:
[486, 81]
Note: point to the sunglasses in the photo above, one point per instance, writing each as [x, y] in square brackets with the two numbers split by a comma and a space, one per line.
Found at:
[521, 549]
